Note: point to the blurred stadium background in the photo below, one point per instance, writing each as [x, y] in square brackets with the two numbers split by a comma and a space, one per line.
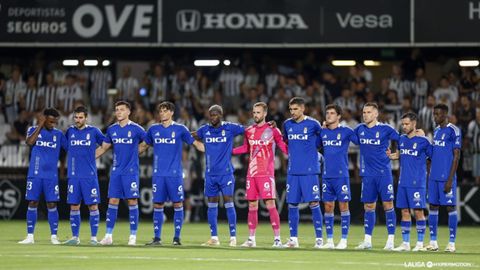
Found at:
[397, 53]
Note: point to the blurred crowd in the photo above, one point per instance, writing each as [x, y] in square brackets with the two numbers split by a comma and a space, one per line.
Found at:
[27, 89]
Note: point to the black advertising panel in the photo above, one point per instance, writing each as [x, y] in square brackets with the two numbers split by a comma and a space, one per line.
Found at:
[285, 22]
[445, 21]
[57, 22]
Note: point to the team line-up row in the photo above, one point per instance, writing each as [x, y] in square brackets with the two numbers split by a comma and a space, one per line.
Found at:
[301, 138]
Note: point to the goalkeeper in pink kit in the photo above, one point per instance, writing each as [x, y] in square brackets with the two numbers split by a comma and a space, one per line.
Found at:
[260, 141]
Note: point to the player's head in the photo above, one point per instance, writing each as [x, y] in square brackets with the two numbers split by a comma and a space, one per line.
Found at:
[370, 112]
[215, 114]
[80, 116]
[122, 110]
[296, 107]
[440, 114]
[51, 118]
[333, 113]
[409, 122]
[259, 112]
[165, 111]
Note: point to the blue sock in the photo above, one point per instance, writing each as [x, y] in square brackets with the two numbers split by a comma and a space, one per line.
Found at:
[452, 225]
[391, 221]
[53, 220]
[345, 223]
[31, 219]
[111, 217]
[157, 222]
[369, 221]
[212, 215]
[433, 224]
[317, 220]
[133, 216]
[293, 219]
[405, 225]
[178, 221]
[75, 222]
[421, 227]
[329, 224]
[94, 221]
[232, 218]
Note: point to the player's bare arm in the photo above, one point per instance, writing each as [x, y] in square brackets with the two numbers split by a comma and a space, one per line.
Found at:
[33, 138]
[102, 149]
[453, 169]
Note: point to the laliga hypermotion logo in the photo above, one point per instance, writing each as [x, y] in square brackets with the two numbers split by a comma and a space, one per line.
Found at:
[10, 198]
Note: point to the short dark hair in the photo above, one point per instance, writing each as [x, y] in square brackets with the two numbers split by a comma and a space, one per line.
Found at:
[442, 107]
[410, 115]
[51, 112]
[216, 108]
[297, 101]
[335, 107]
[81, 109]
[166, 105]
[261, 104]
[123, 102]
[371, 104]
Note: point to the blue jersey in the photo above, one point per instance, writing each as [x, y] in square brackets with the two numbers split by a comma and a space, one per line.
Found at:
[218, 146]
[335, 144]
[81, 151]
[167, 148]
[302, 146]
[445, 140]
[45, 153]
[125, 142]
[413, 161]
[374, 143]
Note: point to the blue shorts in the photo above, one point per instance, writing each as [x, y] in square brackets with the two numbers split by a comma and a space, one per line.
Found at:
[83, 188]
[214, 184]
[411, 198]
[437, 196]
[374, 185]
[123, 186]
[37, 186]
[167, 189]
[303, 188]
[334, 189]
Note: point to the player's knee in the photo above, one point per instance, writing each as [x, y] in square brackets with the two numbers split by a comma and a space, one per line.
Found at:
[93, 207]
[132, 202]
[313, 204]
[178, 204]
[33, 204]
[227, 199]
[254, 204]
[51, 205]
[75, 207]
[343, 206]
[405, 214]
[114, 201]
[450, 209]
[387, 205]
[270, 203]
[369, 206]
[433, 207]
[213, 199]
[329, 207]
[419, 214]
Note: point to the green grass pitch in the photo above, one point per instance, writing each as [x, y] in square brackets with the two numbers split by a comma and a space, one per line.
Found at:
[43, 255]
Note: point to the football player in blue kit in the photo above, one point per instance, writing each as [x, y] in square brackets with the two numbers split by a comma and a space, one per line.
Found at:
[45, 141]
[83, 140]
[124, 136]
[167, 138]
[376, 172]
[442, 181]
[335, 140]
[411, 193]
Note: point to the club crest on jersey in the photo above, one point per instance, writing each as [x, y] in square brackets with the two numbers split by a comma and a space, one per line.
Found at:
[377, 135]
[173, 134]
[129, 134]
[305, 130]
[443, 136]
[88, 136]
[415, 146]
[223, 132]
[339, 136]
[54, 138]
